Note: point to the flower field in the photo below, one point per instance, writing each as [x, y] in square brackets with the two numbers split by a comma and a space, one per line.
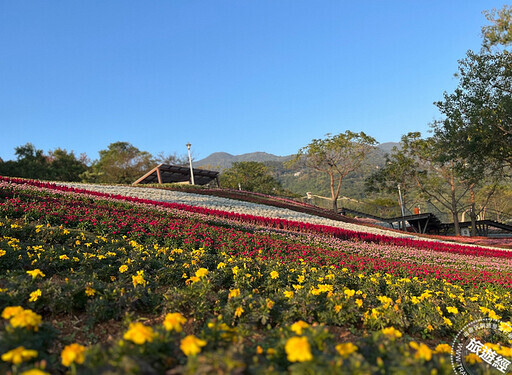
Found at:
[104, 284]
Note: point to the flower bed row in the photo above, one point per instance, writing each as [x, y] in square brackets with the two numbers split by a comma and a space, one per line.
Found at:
[290, 225]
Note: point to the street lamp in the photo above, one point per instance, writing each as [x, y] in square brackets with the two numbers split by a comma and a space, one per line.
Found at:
[190, 162]
[401, 206]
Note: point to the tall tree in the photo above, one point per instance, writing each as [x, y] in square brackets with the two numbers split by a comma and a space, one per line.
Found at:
[65, 166]
[250, 176]
[336, 156]
[122, 163]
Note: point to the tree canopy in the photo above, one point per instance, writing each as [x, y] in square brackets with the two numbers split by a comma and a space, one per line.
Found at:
[250, 176]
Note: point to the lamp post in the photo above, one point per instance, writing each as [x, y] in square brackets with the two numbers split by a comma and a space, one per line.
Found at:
[190, 162]
[401, 207]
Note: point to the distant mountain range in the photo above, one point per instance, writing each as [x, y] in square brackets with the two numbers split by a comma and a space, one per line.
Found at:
[222, 160]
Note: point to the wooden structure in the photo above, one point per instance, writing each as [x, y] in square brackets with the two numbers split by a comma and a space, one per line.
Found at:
[430, 223]
[167, 174]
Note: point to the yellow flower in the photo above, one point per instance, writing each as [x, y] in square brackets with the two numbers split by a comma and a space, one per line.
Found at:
[64, 257]
[221, 265]
[447, 321]
[11, 311]
[422, 351]
[472, 358]
[34, 295]
[35, 371]
[2, 252]
[35, 273]
[174, 321]
[27, 319]
[505, 327]
[346, 349]
[288, 294]
[337, 308]
[349, 292]
[19, 355]
[123, 268]
[300, 279]
[415, 300]
[391, 332]
[74, 353]
[138, 333]
[234, 293]
[297, 327]
[90, 291]
[259, 350]
[139, 279]
[359, 302]
[191, 345]
[274, 274]
[443, 348]
[298, 349]
[452, 310]
[201, 272]
[239, 311]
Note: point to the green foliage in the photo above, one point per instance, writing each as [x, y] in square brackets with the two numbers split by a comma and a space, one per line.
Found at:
[250, 176]
[500, 30]
[59, 165]
[336, 156]
[121, 163]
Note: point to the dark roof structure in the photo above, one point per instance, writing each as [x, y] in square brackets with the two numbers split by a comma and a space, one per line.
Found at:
[166, 174]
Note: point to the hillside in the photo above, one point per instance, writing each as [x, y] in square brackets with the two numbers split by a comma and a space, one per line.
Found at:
[297, 179]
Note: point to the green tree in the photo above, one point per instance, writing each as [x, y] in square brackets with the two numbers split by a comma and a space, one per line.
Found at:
[121, 163]
[250, 176]
[499, 32]
[337, 156]
[64, 166]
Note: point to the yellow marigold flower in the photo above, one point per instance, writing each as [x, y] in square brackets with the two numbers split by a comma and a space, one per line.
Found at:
[34, 296]
[10, 311]
[288, 294]
[138, 333]
[221, 265]
[415, 300]
[443, 348]
[298, 349]
[270, 304]
[346, 349]
[90, 291]
[452, 310]
[447, 321]
[422, 351]
[337, 308]
[35, 371]
[27, 319]
[191, 345]
[35, 273]
[201, 272]
[234, 293]
[139, 279]
[64, 257]
[259, 350]
[493, 315]
[391, 332]
[74, 353]
[173, 321]
[300, 279]
[235, 270]
[505, 327]
[123, 268]
[349, 292]
[19, 355]
[359, 302]
[2, 252]
[297, 327]
[239, 311]
[274, 274]
[472, 358]
[193, 279]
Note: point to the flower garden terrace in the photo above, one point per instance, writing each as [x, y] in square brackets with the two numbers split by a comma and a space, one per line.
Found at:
[253, 293]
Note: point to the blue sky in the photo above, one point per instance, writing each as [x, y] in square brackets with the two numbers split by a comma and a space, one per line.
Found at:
[234, 76]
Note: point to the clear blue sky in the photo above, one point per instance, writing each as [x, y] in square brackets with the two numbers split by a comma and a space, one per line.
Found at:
[234, 76]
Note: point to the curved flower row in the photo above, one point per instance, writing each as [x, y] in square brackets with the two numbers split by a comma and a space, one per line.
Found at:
[337, 232]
